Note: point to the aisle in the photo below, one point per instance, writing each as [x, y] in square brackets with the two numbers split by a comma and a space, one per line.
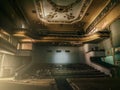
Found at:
[62, 84]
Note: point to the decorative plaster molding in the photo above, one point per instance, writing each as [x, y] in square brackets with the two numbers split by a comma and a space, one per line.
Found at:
[63, 8]
[103, 13]
[50, 12]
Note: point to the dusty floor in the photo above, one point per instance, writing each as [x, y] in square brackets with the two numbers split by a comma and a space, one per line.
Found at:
[42, 84]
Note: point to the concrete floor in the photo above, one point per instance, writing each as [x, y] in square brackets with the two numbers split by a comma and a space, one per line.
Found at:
[95, 83]
[61, 84]
[43, 84]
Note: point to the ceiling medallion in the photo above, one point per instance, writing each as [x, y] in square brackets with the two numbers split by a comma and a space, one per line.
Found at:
[63, 8]
[61, 11]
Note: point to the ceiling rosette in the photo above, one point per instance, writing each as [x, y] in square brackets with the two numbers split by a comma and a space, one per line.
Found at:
[61, 11]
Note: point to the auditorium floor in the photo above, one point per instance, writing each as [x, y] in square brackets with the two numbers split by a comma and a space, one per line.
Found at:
[95, 83]
[41, 84]
[53, 84]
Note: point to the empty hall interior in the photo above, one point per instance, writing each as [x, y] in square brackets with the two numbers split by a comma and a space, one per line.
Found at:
[60, 44]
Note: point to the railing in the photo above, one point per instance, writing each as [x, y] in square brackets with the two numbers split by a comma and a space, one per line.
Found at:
[7, 37]
[24, 53]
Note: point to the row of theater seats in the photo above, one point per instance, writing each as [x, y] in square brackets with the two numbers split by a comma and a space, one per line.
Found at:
[115, 70]
[61, 70]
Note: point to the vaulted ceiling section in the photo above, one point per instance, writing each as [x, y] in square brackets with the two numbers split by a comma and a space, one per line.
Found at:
[50, 21]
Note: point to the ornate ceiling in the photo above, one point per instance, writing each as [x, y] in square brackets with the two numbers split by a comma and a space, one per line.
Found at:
[61, 11]
[62, 21]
